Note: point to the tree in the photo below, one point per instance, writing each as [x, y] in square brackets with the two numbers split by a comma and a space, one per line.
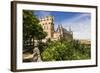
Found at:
[65, 50]
[32, 30]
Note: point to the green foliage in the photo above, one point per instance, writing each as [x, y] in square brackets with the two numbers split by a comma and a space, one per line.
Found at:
[31, 27]
[65, 50]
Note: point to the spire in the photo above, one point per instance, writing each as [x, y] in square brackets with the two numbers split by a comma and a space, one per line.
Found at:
[60, 26]
[70, 29]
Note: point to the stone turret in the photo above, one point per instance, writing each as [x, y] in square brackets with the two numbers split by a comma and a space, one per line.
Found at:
[48, 25]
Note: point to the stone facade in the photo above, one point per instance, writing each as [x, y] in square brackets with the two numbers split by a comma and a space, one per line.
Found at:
[47, 24]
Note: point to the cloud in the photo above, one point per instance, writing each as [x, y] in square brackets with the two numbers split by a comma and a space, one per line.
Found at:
[78, 17]
[81, 26]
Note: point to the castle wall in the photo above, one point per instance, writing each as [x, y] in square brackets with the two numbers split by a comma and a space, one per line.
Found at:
[56, 35]
[48, 26]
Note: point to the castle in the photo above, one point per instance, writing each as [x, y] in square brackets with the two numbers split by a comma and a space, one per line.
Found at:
[47, 24]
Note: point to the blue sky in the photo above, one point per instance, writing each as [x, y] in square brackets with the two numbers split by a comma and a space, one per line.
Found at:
[79, 22]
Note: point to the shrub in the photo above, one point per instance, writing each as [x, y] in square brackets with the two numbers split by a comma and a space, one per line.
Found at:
[65, 50]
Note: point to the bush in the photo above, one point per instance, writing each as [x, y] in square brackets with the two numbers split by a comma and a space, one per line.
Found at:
[65, 50]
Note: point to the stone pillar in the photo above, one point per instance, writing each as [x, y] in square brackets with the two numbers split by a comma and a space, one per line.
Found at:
[36, 52]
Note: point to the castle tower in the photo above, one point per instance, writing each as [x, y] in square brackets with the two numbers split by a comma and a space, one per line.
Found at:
[48, 25]
[60, 30]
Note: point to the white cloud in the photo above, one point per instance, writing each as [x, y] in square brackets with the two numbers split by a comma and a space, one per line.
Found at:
[77, 18]
[81, 27]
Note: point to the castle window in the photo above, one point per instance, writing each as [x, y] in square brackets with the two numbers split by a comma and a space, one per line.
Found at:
[45, 23]
[45, 27]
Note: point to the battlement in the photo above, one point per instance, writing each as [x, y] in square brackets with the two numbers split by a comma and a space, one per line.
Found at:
[47, 18]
